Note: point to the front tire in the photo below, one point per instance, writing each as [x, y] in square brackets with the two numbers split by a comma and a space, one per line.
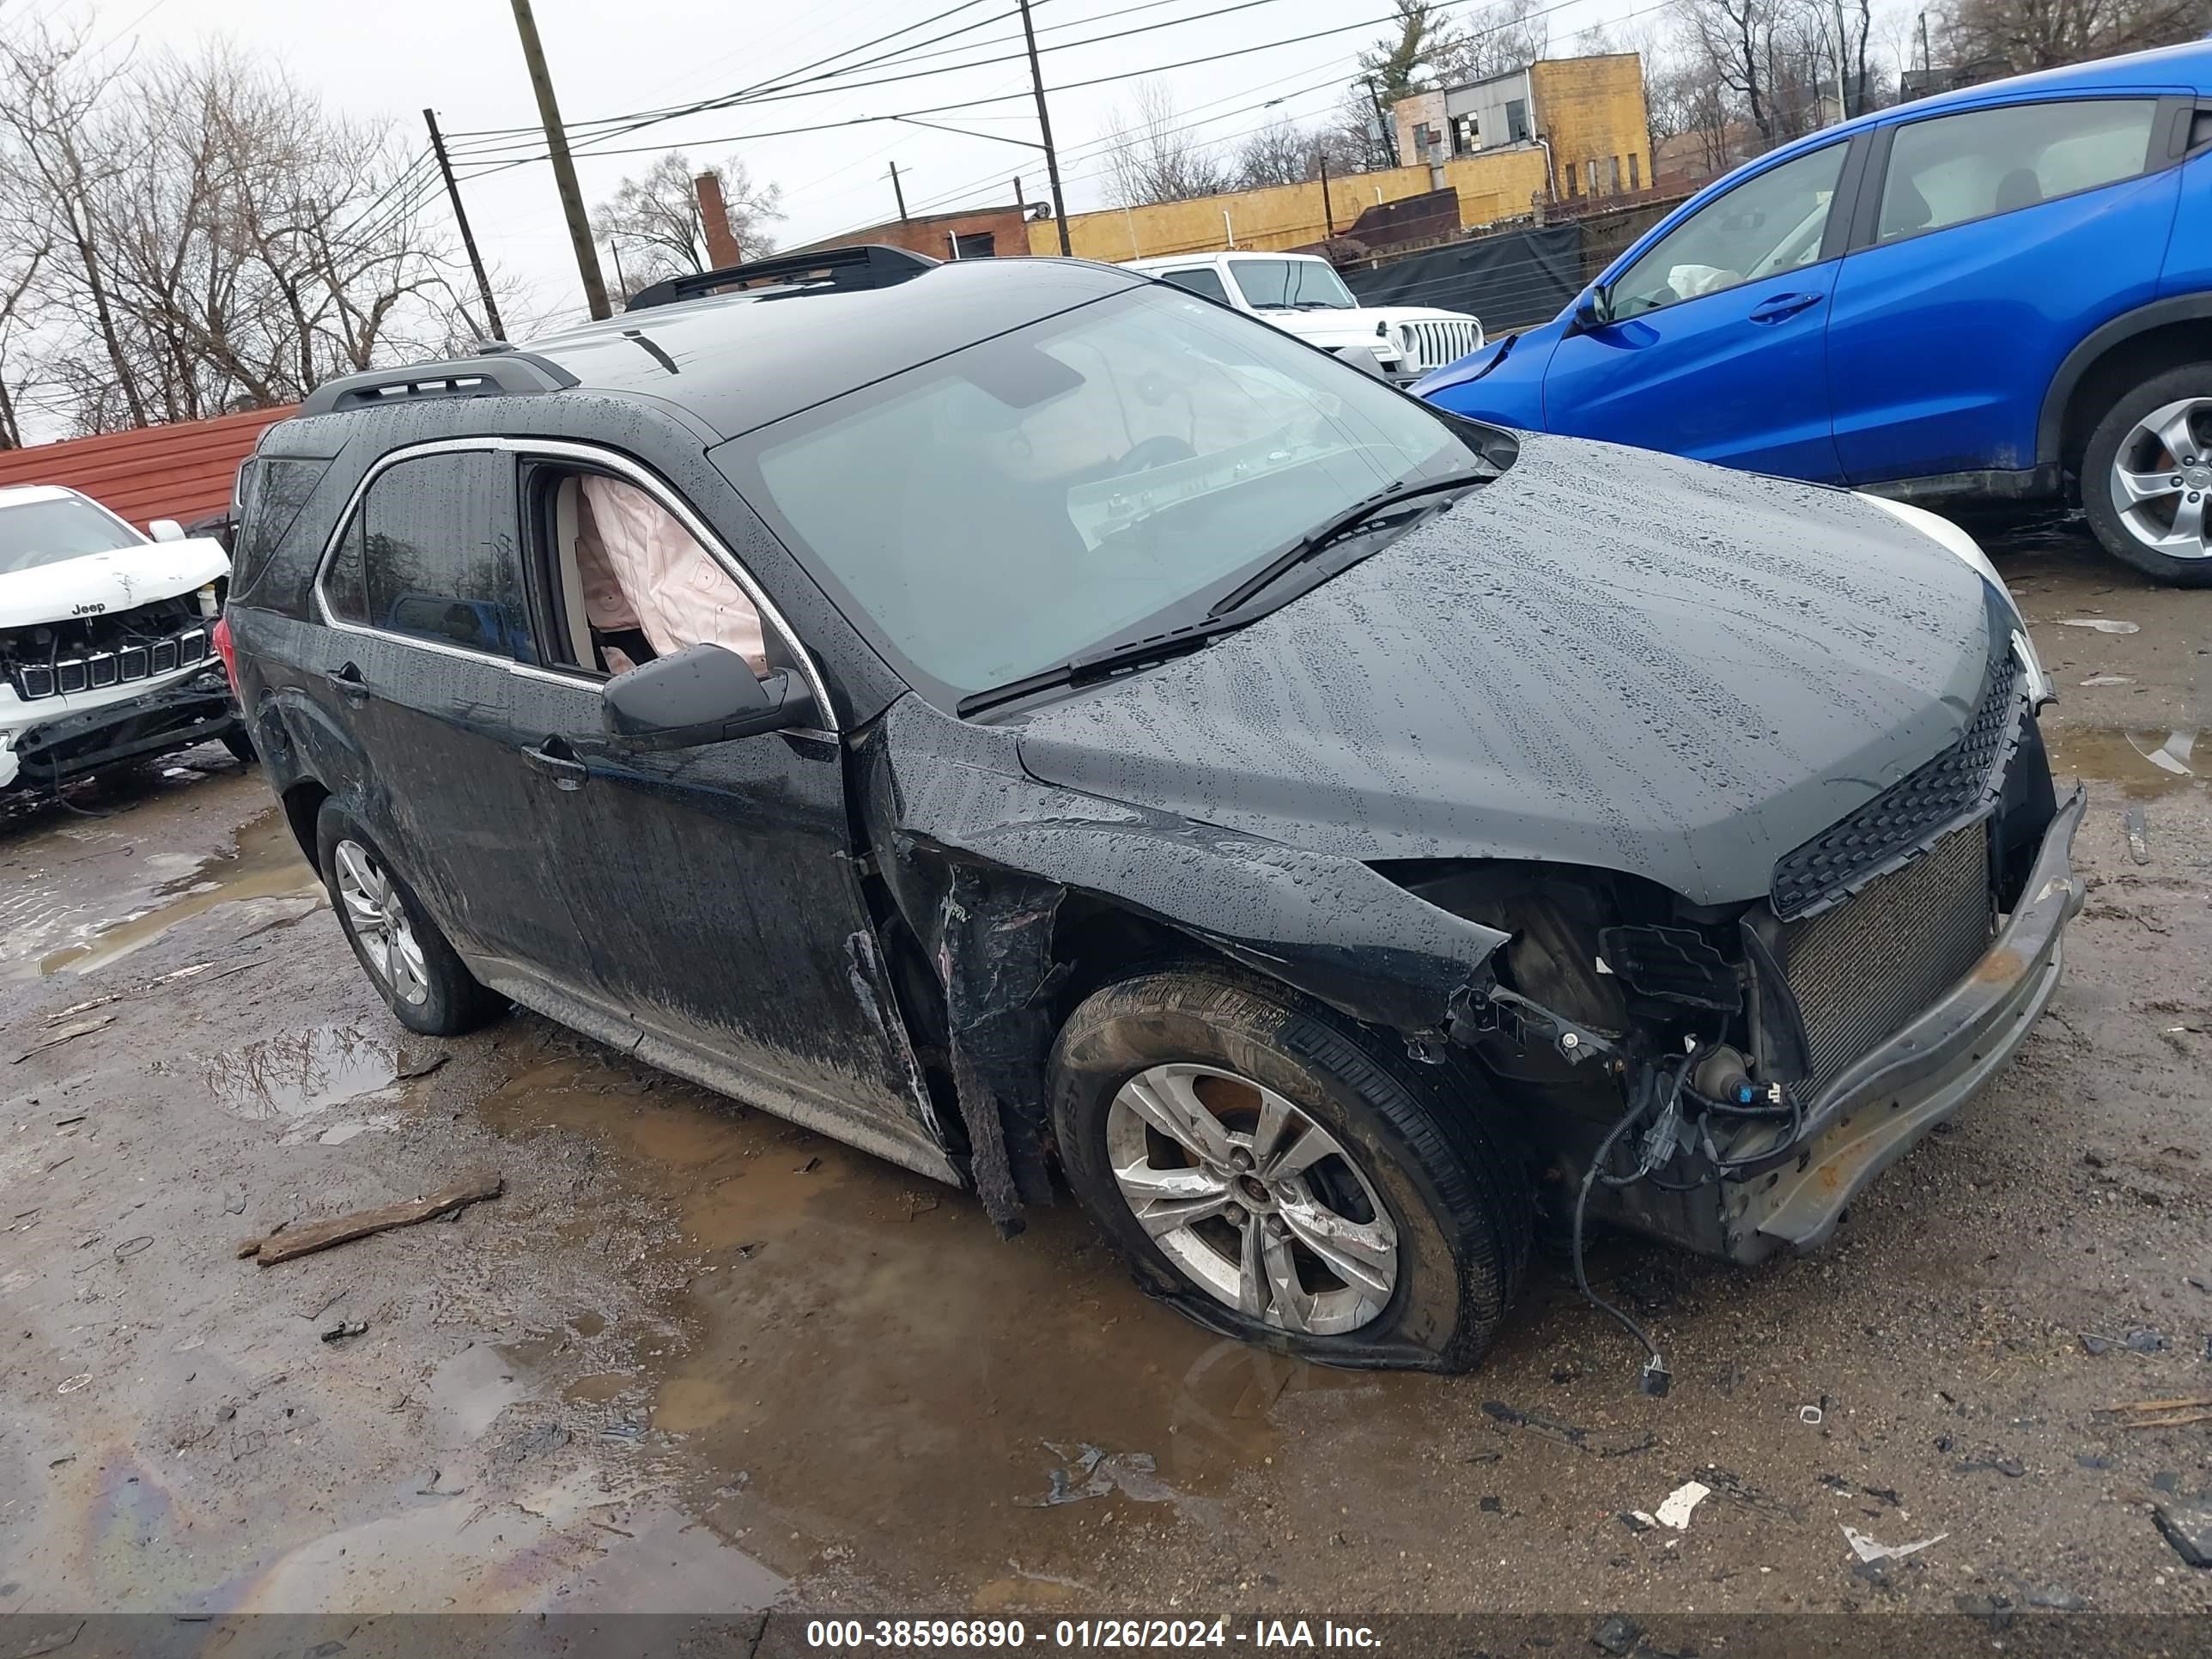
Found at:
[1283, 1174]
[408, 961]
[2146, 477]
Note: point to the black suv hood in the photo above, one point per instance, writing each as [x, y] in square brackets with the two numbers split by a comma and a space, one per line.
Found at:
[1607, 657]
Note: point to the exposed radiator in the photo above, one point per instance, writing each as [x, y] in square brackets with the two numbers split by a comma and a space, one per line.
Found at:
[1865, 969]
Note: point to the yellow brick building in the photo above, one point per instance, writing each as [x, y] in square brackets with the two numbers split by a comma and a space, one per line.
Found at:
[1587, 114]
[1499, 186]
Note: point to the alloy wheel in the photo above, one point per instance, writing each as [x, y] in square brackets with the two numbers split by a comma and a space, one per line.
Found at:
[378, 916]
[2161, 480]
[1257, 1203]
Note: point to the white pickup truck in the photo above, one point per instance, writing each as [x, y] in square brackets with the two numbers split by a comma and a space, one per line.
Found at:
[107, 650]
[1301, 293]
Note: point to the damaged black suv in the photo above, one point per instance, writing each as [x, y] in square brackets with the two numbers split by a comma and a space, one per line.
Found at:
[1014, 716]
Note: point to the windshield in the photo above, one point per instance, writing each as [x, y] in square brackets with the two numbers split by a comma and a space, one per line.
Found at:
[47, 532]
[1077, 483]
[1292, 285]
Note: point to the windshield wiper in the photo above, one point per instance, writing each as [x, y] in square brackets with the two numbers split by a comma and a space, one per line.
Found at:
[1103, 665]
[1229, 614]
[1333, 530]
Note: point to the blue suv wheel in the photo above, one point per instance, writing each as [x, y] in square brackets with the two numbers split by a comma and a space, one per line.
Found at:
[2146, 477]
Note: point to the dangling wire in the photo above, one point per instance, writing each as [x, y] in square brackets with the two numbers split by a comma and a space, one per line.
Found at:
[1655, 1379]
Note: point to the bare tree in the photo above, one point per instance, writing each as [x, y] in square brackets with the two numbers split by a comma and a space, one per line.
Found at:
[206, 236]
[1153, 154]
[14, 288]
[1284, 152]
[654, 222]
[1361, 135]
[1501, 38]
[47, 108]
[2030, 34]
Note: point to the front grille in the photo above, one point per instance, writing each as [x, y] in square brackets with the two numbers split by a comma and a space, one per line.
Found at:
[1865, 969]
[1432, 343]
[63, 659]
[1959, 785]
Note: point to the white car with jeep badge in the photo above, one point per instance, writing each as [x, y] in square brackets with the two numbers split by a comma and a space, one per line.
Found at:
[107, 651]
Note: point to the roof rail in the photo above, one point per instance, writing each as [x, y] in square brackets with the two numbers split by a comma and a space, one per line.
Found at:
[868, 264]
[500, 373]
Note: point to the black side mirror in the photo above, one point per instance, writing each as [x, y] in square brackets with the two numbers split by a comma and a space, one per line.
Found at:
[700, 695]
[1593, 310]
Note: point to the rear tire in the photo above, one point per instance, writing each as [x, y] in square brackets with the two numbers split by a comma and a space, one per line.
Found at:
[1399, 1236]
[2147, 478]
[408, 961]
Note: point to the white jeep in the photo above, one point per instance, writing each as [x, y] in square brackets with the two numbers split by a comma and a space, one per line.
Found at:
[1302, 294]
[106, 646]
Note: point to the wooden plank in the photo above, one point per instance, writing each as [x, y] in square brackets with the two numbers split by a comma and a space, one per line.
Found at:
[67, 1033]
[321, 1235]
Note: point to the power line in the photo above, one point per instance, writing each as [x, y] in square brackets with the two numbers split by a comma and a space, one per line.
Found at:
[780, 91]
[1113, 140]
[723, 100]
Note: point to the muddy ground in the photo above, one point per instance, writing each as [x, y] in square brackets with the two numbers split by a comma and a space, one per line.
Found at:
[695, 1359]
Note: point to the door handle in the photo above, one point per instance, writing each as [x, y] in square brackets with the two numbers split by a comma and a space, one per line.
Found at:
[555, 757]
[1773, 310]
[346, 678]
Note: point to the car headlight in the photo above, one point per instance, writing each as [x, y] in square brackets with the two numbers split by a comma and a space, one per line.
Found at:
[1942, 530]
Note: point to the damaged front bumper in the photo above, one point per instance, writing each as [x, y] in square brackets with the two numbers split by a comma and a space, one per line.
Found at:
[57, 743]
[1884, 1103]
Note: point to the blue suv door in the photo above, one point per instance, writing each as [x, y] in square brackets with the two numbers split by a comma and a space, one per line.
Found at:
[1989, 242]
[1714, 346]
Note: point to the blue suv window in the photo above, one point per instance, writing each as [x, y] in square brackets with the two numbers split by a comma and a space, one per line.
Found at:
[1765, 226]
[1952, 169]
[422, 558]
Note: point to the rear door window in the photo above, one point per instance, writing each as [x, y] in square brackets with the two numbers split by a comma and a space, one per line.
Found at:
[1954, 168]
[424, 557]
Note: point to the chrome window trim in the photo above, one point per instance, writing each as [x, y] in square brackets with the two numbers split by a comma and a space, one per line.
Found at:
[606, 460]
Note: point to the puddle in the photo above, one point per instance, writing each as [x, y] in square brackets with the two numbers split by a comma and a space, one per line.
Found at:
[2144, 764]
[860, 1349]
[568, 1547]
[467, 1392]
[264, 863]
[304, 1073]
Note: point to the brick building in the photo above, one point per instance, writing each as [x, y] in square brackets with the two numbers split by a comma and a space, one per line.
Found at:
[973, 233]
[1586, 114]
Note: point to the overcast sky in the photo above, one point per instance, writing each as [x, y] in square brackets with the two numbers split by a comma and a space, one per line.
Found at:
[391, 57]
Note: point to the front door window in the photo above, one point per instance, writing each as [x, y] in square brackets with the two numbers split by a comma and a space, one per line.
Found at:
[1763, 228]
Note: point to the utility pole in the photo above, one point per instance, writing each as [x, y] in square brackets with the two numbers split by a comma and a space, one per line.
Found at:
[622, 282]
[1383, 122]
[1327, 217]
[564, 167]
[1842, 98]
[1044, 129]
[461, 218]
[1925, 65]
[898, 192]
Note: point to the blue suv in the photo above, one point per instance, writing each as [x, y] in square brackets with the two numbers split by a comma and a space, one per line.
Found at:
[1999, 293]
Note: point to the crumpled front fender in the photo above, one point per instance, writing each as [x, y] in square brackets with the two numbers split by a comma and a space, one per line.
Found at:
[1330, 925]
[978, 858]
